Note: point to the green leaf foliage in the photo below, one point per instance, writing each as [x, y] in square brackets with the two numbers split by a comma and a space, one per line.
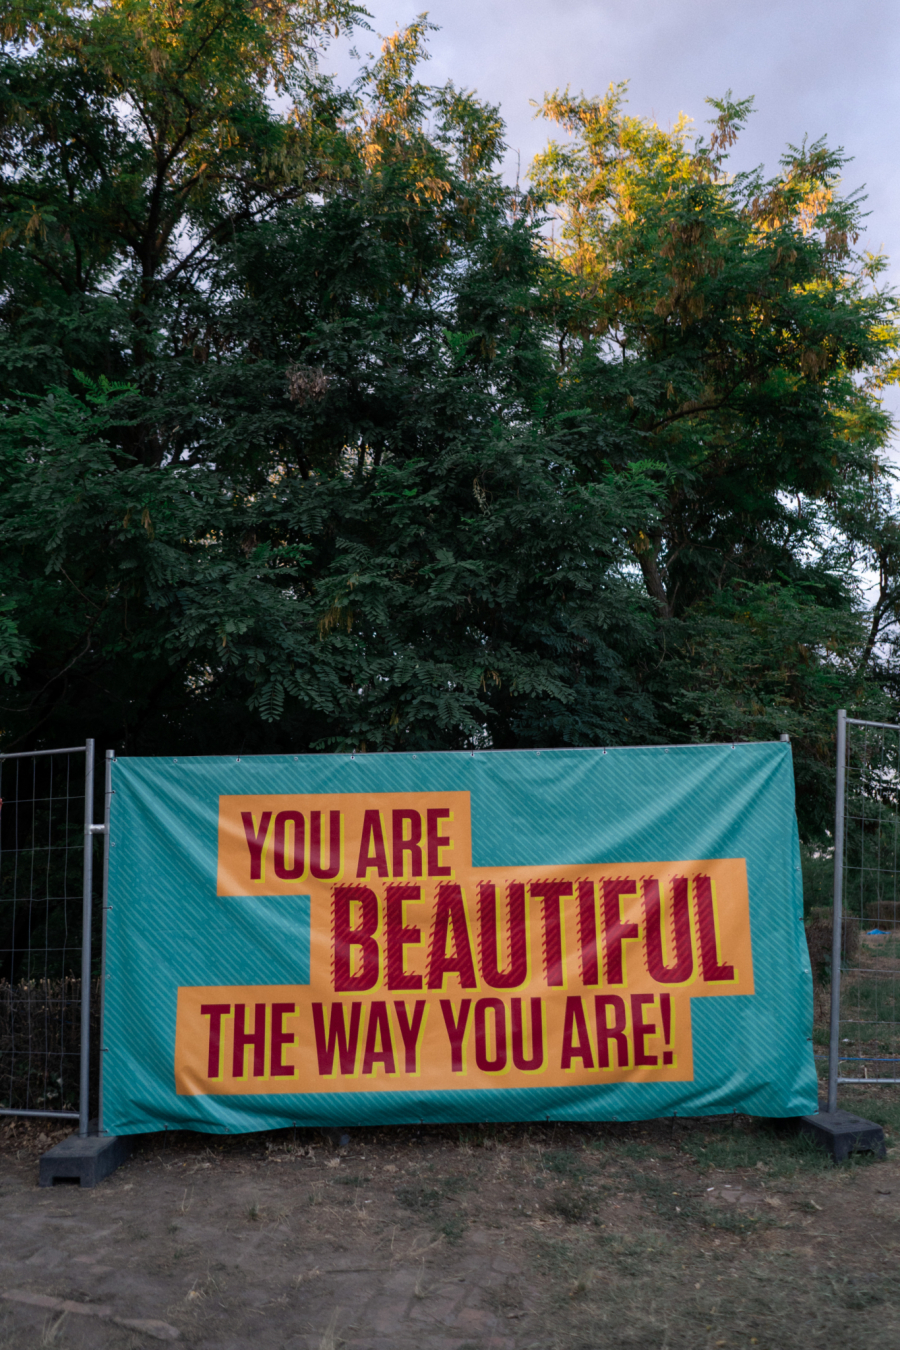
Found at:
[316, 436]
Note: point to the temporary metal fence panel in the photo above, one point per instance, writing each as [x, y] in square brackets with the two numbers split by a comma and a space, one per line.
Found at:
[531, 868]
[864, 1043]
[46, 905]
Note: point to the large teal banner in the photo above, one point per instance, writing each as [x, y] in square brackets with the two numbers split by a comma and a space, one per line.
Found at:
[532, 935]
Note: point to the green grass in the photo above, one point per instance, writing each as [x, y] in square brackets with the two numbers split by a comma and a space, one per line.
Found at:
[453, 1228]
[573, 1206]
[636, 1152]
[782, 1150]
[564, 1162]
[632, 1255]
[884, 1112]
[429, 1198]
[875, 998]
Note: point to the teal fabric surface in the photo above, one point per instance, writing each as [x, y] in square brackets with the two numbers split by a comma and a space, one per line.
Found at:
[167, 928]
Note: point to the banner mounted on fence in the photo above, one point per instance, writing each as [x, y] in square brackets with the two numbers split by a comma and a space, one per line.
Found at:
[564, 934]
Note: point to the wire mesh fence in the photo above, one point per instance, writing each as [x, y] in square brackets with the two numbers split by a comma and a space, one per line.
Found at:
[40, 1045]
[865, 1023]
[46, 848]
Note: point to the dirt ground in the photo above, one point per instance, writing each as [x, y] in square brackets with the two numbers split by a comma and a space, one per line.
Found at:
[702, 1234]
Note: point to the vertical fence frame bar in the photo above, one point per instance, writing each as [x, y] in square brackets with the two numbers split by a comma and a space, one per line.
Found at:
[107, 803]
[85, 1076]
[837, 929]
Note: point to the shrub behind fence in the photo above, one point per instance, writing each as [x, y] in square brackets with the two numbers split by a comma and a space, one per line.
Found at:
[48, 908]
[40, 1041]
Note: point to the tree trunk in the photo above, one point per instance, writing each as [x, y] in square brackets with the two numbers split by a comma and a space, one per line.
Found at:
[654, 582]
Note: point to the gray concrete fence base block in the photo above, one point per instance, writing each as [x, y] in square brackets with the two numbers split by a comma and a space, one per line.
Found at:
[86, 1161]
[842, 1133]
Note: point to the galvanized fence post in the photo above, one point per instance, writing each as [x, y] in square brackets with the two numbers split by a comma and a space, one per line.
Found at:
[837, 929]
[86, 917]
[107, 803]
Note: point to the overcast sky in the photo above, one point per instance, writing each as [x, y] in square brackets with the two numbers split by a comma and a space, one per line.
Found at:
[815, 67]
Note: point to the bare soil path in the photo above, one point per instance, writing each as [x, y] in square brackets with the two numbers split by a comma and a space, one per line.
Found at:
[706, 1235]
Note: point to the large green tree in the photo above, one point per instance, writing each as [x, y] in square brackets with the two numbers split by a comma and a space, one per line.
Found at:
[316, 435]
[298, 481]
[722, 328]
